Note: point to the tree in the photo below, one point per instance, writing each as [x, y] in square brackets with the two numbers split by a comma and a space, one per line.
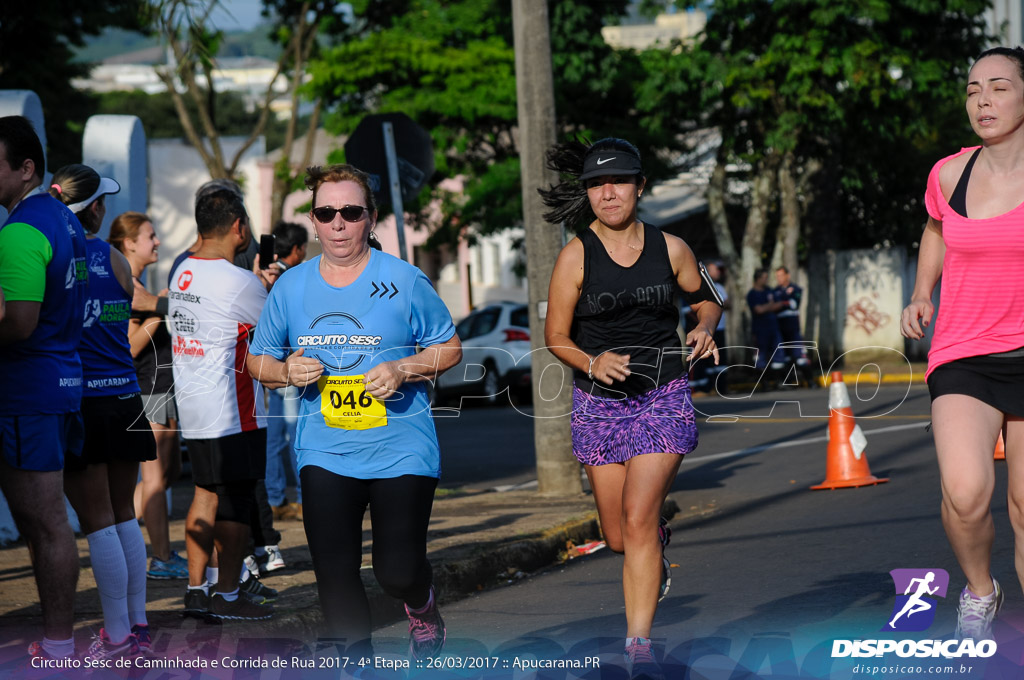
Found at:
[450, 66]
[36, 41]
[160, 118]
[558, 473]
[184, 27]
[830, 112]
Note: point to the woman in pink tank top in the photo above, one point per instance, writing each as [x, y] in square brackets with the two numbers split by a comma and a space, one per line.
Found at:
[976, 361]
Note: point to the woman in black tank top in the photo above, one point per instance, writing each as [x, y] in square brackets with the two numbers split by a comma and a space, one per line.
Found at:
[612, 317]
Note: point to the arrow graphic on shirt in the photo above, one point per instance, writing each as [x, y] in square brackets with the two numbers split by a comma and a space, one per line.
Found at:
[383, 290]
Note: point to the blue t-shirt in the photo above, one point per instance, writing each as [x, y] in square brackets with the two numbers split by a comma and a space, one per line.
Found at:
[791, 295]
[107, 364]
[382, 316]
[43, 374]
[766, 321]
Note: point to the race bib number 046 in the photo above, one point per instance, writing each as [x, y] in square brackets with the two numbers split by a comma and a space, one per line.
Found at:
[346, 405]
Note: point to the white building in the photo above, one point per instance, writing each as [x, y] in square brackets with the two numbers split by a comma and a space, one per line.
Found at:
[665, 29]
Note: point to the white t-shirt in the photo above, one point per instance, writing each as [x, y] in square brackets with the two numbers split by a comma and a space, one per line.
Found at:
[212, 308]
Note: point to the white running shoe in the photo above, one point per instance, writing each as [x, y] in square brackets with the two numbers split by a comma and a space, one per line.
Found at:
[274, 559]
[975, 616]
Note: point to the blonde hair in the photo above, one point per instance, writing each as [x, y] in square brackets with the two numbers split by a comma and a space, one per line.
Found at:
[125, 227]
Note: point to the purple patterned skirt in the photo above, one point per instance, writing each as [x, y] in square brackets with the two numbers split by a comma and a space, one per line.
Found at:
[614, 430]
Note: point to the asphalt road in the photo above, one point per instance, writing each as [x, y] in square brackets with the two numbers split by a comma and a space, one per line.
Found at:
[769, 572]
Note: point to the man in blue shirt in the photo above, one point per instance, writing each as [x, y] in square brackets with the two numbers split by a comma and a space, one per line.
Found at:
[44, 277]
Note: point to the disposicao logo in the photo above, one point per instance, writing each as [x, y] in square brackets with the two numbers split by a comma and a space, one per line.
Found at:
[914, 611]
[916, 590]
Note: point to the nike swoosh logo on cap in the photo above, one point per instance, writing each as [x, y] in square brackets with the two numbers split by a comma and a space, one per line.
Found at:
[602, 161]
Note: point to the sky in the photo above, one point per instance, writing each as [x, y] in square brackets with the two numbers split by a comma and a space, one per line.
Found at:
[235, 15]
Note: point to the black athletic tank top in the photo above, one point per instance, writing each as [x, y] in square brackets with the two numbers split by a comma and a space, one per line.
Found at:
[629, 310]
[958, 200]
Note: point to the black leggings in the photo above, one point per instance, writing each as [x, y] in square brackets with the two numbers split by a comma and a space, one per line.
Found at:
[333, 518]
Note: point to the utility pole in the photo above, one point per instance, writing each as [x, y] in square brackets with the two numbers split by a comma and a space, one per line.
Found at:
[558, 472]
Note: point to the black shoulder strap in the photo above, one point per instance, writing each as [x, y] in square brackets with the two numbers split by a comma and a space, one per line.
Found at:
[958, 201]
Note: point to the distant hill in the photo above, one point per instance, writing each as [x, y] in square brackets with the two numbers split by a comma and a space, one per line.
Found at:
[114, 42]
[111, 43]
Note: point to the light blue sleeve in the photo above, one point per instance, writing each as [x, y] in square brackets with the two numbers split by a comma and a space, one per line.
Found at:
[271, 337]
[430, 320]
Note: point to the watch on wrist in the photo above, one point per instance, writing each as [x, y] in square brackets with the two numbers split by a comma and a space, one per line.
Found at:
[590, 369]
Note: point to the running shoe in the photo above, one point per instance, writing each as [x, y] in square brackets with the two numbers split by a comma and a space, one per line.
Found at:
[287, 511]
[174, 567]
[666, 577]
[974, 617]
[257, 592]
[271, 560]
[141, 633]
[252, 565]
[41, 665]
[664, 532]
[197, 602]
[102, 648]
[665, 537]
[240, 609]
[640, 662]
[426, 631]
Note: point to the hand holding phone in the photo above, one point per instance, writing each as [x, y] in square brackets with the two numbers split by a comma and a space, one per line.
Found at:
[266, 250]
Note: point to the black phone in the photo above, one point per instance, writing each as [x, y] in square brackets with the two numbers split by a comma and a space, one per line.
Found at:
[266, 250]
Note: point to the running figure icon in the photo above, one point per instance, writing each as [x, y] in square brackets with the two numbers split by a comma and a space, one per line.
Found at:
[915, 604]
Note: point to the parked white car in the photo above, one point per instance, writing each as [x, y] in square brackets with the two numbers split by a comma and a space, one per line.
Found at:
[495, 355]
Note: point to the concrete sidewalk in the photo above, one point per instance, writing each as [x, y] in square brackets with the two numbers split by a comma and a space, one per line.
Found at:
[477, 540]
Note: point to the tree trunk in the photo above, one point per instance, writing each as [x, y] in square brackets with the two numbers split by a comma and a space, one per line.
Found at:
[285, 172]
[719, 219]
[752, 249]
[788, 235]
[558, 472]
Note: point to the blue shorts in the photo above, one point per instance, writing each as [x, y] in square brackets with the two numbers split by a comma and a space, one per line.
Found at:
[41, 442]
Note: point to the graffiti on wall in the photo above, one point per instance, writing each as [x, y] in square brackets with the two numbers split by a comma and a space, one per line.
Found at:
[864, 314]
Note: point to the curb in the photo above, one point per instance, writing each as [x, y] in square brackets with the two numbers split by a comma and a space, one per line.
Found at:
[460, 578]
[867, 378]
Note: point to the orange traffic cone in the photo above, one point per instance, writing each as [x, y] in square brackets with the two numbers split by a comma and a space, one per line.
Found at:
[1000, 448]
[846, 465]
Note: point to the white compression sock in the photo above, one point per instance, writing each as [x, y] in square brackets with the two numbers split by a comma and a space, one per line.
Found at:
[134, 548]
[111, 573]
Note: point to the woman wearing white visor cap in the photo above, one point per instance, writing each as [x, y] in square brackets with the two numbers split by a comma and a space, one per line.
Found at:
[101, 482]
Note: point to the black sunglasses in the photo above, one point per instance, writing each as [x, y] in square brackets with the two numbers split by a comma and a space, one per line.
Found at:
[349, 213]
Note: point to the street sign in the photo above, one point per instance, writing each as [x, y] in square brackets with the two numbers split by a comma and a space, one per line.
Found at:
[365, 149]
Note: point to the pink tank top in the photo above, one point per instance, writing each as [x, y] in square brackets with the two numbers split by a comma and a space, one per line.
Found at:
[981, 302]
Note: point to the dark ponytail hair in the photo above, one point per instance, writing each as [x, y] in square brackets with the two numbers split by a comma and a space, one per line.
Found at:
[568, 199]
[74, 183]
[1015, 54]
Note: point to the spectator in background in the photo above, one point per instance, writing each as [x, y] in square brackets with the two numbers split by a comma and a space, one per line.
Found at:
[45, 279]
[101, 482]
[132, 233]
[266, 539]
[220, 407]
[283, 407]
[788, 317]
[243, 259]
[764, 323]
